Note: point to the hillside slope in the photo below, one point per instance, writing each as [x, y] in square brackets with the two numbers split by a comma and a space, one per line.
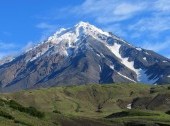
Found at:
[105, 105]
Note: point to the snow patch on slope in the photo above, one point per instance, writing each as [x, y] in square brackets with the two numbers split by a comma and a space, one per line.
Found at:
[115, 50]
[112, 67]
[147, 53]
[129, 106]
[126, 77]
[98, 55]
[100, 68]
[139, 49]
[144, 78]
[141, 75]
[144, 58]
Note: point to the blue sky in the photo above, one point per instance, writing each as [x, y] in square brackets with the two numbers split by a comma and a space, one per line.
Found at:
[143, 23]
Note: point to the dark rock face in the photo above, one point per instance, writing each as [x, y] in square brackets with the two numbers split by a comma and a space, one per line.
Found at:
[82, 55]
[159, 102]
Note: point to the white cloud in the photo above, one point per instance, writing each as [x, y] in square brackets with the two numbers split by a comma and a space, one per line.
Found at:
[6, 33]
[28, 46]
[47, 29]
[157, 46]
[1, 55]
[108, 11]
[7, 49]
[152, 24]
[5, 45]
[161, 46]
[147, 15]
[162, 5]
[116, 29]
[168, 56]
[8, 54]
[126, 8]
[44, 25]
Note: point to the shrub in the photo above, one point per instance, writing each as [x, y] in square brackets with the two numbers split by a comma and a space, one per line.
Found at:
[56, 111]
[6, 115]
[152, 90]
[2, 102]
[30, 110]
[168, 112]
[22, 123]
[168, 87]
[99, 108]
[13, 104]
[131, 113]
[34, 112]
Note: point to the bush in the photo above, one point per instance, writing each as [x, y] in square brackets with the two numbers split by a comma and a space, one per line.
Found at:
[131, 113]
[6, 115]
[168, 112]
[2, 102]
[22, 123]
[152, 90]
[34, 112]
[168, 87]
[56, 111]
[30, 110]
[13, 104]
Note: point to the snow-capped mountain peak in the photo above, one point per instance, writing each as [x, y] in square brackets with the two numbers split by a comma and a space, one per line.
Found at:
[65, 41]
[73, 34]
[83, 54]
[90, 29]
[68, 39]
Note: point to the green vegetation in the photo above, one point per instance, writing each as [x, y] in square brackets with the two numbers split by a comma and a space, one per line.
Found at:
[22, 123]
[100, 105]
[6, 115]
[131, 113]
[56, 111]
[30, 110]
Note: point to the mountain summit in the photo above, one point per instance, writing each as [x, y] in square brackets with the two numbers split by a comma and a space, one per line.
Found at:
[83, 54]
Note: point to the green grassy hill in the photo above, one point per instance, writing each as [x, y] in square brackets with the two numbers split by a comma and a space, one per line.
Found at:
[91, 105]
